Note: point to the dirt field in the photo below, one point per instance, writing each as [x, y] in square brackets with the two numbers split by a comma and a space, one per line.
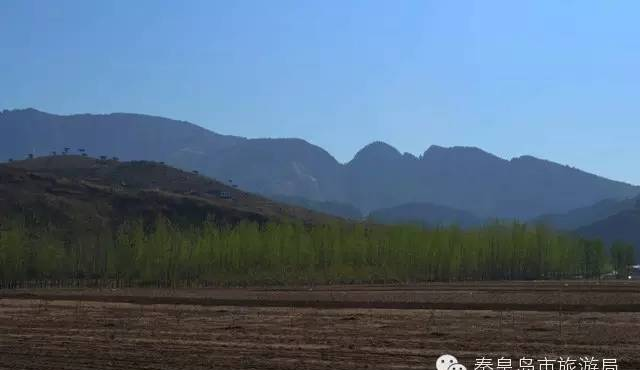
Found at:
[353, 327]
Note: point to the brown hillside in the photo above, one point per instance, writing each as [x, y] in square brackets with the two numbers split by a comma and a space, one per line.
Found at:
[92, 192]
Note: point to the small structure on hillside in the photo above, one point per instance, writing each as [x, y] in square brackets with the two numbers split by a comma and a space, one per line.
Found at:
[224, 195]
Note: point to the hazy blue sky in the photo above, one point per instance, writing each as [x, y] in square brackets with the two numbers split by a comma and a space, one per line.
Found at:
[555, 79]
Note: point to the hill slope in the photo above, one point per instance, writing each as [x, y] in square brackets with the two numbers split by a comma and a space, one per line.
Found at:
[623, 226]
[378, 176]
[585, 216]
[342, 210]
[79, 190]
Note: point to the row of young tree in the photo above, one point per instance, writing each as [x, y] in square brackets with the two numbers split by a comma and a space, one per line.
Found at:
[281, 253]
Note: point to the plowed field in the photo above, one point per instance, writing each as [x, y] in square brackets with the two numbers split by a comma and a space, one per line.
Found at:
[344, 327]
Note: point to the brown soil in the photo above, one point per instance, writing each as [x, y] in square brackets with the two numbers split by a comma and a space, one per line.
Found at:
[322, 328]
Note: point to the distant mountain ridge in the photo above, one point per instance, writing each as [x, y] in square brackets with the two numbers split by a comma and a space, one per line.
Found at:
[378, 176]
[623, 226]
[585, 216]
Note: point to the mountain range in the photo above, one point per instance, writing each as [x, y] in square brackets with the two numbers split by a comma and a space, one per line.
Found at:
[442, 184]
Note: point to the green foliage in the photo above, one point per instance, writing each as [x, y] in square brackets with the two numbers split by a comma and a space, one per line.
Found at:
[281, 253]
[622, 257]
[13, 250]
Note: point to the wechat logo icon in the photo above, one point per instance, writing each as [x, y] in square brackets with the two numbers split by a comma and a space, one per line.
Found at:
[448, 362]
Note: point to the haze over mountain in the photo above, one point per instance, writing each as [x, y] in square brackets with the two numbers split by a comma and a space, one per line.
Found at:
[344, 210]
[426, 214]
[379, 176]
